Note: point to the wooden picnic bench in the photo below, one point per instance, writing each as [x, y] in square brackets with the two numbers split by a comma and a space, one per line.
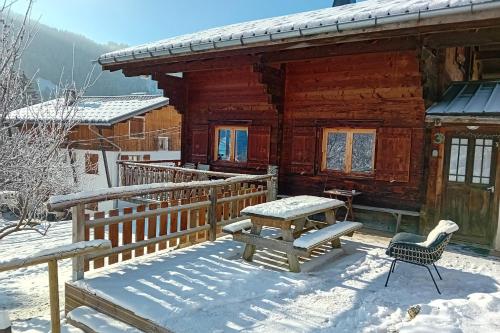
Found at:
[397, 213]
[299, 234]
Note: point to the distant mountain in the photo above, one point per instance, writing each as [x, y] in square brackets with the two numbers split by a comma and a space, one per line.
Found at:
[50, 59]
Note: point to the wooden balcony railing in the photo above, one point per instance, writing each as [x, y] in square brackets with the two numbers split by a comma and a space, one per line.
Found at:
[184, 213]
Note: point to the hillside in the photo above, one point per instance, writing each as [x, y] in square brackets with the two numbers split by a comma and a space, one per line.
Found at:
[50, 58]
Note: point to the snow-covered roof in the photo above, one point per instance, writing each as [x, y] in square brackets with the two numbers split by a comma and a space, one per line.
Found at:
[333, 20]
[95, 110]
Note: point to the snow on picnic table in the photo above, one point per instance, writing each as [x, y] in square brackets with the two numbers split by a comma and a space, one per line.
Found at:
[293, 206]
[208, 288]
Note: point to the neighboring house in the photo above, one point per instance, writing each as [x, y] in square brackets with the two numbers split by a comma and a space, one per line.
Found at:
[337, 97]
[113, 128]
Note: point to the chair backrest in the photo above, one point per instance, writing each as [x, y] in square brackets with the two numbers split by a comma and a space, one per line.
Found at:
[444, 227]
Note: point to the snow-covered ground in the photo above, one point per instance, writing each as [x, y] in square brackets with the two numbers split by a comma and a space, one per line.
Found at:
[208, 288]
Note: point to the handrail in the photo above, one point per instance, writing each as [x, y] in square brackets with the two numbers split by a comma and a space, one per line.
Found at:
[51, 257]
[192, 171]
[61, 202]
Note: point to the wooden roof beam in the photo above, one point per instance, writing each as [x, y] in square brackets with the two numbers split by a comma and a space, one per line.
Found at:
[174, 88]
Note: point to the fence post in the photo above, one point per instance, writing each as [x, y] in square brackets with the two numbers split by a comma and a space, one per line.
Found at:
[55, 320]
[78, 235]
[212, 220]
[272, 183]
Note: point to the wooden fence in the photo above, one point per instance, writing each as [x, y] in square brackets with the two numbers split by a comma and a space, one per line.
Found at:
[182, 214]
[136, 173]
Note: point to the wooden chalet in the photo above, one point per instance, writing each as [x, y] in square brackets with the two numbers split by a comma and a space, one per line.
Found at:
[337, 98]
[109, 129]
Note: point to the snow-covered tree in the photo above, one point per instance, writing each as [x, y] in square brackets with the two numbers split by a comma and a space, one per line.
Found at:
[34, 157]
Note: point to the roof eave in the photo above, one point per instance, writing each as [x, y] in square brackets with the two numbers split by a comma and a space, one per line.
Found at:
[392, 22]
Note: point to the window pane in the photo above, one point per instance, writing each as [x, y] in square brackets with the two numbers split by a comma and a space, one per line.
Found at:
[482, 161]
[335, 151]
[362, 152]
[458, 160]
[224, 151]
[241, 145]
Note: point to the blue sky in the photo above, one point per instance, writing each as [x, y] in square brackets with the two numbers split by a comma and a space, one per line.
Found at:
[138, 21]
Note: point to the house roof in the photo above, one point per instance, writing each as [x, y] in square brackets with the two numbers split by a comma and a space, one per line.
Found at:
[474, 98]
[333, 20]
[92, 110]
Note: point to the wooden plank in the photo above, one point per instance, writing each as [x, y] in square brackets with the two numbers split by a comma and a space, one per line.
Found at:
[127, 233]
[270, 243]
[152, 221]
[55, 320]
[202, 216]
[139, 231]
[75, 297]
[99, 234]
[146, 242]
[163, 226]
[114, 236]
[174, 221]
[87, 237]
[184, 220]
[78, 235]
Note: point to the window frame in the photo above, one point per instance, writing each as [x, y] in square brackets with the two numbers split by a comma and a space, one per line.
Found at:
[89, 164]
[142, 135]
[347, 168]
[232, 143]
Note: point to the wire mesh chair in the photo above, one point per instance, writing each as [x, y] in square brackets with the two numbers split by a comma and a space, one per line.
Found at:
[403, 247]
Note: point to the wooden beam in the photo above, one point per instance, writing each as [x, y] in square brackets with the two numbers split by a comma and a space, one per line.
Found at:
[469, 37]
[192, 66]
[175, 88]
[273, 80]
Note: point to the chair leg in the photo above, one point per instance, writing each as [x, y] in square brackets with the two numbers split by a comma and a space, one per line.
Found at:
[437, 271]
[432, 276]
[394, 266]
[390, 271]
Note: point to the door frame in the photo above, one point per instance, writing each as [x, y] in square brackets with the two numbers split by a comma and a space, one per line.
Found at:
[494, 230]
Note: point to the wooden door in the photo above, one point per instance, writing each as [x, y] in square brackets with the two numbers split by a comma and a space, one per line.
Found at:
[469, 181]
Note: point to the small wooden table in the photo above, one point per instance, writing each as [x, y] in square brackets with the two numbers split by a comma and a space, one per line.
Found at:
[284, 214]
[348, 194]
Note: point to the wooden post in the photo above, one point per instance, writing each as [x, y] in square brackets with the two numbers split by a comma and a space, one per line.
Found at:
[78, 235]
[212, 220]
[272, 183]
[55, 320]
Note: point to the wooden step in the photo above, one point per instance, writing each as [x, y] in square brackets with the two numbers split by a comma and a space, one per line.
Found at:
[91, 321]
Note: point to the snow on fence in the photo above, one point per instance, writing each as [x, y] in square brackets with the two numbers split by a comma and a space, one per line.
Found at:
[51, 257]
[178, 215]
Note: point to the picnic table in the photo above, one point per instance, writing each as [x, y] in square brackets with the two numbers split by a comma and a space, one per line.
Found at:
[299, 234]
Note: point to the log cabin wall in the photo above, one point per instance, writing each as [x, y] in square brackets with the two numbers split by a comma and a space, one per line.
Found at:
[379, 91]
[229, 97]
[163, 120]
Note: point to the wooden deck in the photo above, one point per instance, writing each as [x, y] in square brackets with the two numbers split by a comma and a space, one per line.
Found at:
[76, 297]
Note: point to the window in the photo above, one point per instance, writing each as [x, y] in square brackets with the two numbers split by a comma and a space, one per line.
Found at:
[91, 164]
[349, 151]
[136, 128]
[458, 160]
[163, 142]
[231, 144]
[482, 161]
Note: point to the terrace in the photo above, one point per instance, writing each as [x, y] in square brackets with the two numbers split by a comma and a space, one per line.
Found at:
[172, 269]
